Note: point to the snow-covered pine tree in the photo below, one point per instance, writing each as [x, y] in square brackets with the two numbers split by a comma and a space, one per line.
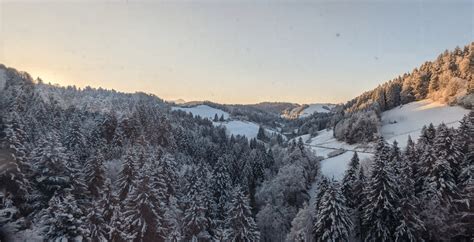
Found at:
[395, 158]
[360, 190]
[240, 225]
[382, 196]
[52, 174]
[195, 221]
[221, 188]
[261, 134]
[441, 178]
[127, 176]
[63, 219]
[349, 182]
[439, 191]
[412, 157]
[170, 174]
[144, 209]
[98, 228]
[74, 140]
[95, 174]
[20, 186]
[333, 222]
[11, 220]
[410, 226]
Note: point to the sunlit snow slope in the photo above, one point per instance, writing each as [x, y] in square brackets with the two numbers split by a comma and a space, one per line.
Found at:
[316, 108]
[408, 119]
[397, 124]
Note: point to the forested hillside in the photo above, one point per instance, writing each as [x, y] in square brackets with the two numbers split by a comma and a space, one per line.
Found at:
[447, 79]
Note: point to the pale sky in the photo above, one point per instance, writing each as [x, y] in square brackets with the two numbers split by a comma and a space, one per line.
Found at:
[230, 51]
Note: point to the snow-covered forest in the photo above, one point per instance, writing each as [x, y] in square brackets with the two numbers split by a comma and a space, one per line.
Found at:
[100, 165]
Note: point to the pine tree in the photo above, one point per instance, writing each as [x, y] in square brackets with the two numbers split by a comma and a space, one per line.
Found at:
[98, 228]
[441, 179]
[195, 221]
[95, 174]
[63, 218]
[216, 118]
[333, 220]
[127, 176]
[22, 170]
[222, 119]
[410, 226]
[144, 209]
[360, 191]
[349, 181]
[412, 158]
[221, 187]
[261, 134]
[52, 174]
[380, 210]
[240, 225]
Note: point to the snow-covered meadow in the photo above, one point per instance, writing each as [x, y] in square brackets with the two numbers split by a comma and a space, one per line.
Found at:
[397, 124]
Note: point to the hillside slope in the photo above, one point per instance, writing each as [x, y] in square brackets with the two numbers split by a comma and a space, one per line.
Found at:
[397, 124]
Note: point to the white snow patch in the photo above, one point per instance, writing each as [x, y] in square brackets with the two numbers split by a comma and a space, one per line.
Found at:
[204, 111]
[324, 144]
[243, 128]
[3, 79]
[408, 119]
[335, 167]
[316, 108]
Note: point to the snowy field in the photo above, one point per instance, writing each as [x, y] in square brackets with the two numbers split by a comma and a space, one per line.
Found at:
[397, 124]
[336, 166]
[408, 119]
[235, 127]
[316, 108]
[3, 79]
[204, 111]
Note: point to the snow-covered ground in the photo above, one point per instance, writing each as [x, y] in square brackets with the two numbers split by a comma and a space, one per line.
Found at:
[316, 108]
[235, 127]
[204, 111]
[336, 166]
[243, 128]
[397, 124]
[3, 78]
[408, 119]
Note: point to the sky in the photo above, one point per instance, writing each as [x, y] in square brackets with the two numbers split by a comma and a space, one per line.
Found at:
[230, 51]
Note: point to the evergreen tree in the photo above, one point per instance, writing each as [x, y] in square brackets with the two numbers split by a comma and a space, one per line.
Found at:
[221, 188]
[349, 182]
[261, 134]
[144, 215]
[240, 225]
[195, 221]
[95, 174]
[441, 179]
[410, 226]
[127, 176]
[216, 118]
[380, 210]
[222, 119]
[333, 221]
[63, 218]
[98, 228]
[51, 174]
